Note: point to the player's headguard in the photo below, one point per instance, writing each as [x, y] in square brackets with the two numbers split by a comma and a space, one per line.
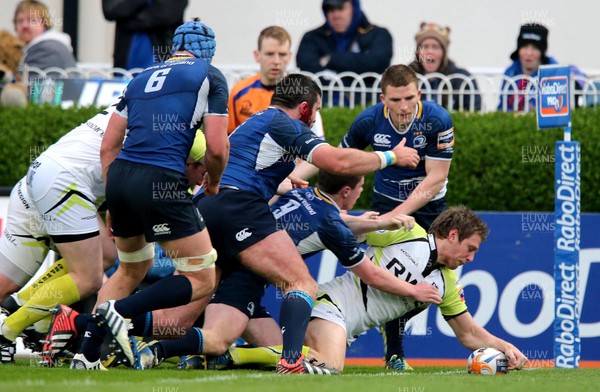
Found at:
[196, 38]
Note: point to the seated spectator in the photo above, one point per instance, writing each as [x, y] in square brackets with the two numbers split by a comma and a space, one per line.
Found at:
[532, 44]
[44, 46]
[346, 42]
[432, 56]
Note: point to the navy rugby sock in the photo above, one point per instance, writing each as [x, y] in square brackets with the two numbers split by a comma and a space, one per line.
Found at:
[189, 344]
[393, 339]
[293, 319]
[81, 322]
[92, 340]
[169, 292]
[142, 325]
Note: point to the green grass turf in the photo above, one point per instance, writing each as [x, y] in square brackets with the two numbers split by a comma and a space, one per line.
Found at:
[23, 377]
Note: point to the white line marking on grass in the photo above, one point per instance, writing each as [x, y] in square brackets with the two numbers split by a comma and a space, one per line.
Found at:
[451, 372]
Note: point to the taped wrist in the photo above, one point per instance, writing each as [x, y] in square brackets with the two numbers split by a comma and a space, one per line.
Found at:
[386, 157]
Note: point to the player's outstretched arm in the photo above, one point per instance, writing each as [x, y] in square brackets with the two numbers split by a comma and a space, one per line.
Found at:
[473, 336]
[350, 161]
[370, 221]
[112, 142]
[381, 279]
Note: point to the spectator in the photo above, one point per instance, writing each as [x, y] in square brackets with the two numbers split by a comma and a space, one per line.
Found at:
[144, 30]
[431, 56]
[346, 42]
[532, 44]
[44, 47]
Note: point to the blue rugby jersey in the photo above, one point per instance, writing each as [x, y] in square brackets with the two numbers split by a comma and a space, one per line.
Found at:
[263, 151]
[313, 221]
[431, 133]
[164, 106]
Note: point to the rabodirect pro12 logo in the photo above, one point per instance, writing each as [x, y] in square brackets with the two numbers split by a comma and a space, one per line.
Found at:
[554, 96]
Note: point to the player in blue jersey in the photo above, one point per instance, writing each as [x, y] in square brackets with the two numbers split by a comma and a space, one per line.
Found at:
[263, 152]
[420, 191]
[146, 189]
[312, 219]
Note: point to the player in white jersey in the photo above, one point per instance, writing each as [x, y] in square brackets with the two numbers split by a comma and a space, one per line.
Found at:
[346, 307]
[54, 207]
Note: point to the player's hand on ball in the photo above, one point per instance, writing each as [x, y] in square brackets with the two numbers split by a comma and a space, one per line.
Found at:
[516, 359]
[406, 156]
[426, 292]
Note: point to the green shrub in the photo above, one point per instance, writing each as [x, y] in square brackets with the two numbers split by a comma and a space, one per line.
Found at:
[26, 132]
[501, 161]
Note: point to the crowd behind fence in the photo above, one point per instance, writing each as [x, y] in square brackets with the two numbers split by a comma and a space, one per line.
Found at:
[363, 90]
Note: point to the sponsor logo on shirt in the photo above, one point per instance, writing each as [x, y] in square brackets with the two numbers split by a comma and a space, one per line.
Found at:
[445, 139]
[381, 140]
[243, 234]
[161, 229]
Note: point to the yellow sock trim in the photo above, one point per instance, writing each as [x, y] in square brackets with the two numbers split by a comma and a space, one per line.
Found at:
[61, 290]
[259, 356]
[56, 270]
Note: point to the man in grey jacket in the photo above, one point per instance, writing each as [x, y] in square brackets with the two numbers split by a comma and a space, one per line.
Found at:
[44, 47]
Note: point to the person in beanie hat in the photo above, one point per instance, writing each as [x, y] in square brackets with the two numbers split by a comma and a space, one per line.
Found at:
[532, 44]
[147, 191]
[431, 56]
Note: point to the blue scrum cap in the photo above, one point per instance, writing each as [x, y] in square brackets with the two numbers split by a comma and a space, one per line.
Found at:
[197, 38]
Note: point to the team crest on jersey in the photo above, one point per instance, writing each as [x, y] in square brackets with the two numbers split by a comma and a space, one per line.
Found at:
[381, 140]
[445, 139]
[420, 141]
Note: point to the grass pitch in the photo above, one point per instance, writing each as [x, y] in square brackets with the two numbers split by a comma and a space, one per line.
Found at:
[24, 377]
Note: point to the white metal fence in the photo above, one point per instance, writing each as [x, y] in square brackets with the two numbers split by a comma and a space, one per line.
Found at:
[478, 92]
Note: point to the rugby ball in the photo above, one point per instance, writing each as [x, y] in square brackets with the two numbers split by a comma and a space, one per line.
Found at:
[487, 361]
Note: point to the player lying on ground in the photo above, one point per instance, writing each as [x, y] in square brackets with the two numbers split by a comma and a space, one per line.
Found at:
[346, 307]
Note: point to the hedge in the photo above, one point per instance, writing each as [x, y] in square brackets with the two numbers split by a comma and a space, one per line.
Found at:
[501, 162]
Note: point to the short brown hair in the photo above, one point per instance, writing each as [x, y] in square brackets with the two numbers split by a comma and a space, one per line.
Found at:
[34, 6]
[333, 183]
[399, 75]
[462, 219]
[293, 89]
[276, 32]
